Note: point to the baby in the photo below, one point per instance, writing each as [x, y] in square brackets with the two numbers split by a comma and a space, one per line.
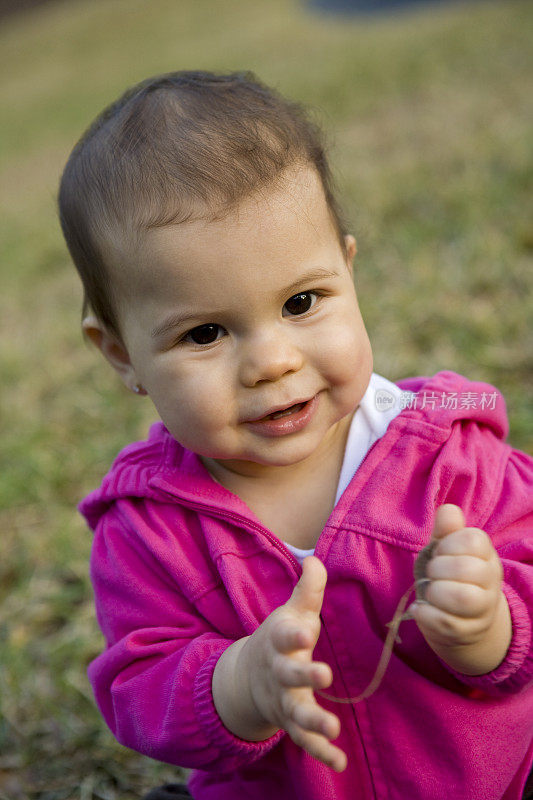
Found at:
[251, 552]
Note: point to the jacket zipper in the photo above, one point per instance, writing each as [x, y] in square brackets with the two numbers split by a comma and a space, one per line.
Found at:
[246, 523]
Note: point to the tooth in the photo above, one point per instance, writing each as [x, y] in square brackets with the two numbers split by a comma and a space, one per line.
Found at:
[286, 411]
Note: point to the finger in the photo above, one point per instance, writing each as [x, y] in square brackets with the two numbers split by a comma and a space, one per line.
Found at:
[308, 593]
[317, 746]
[314, 718]
[289, 637]
[462, 568]
[467, 541]
[460, 599]
[291, 672]
[448, 518]
[444, 628]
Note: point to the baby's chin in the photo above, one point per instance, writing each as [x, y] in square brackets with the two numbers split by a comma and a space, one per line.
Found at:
[251, 465]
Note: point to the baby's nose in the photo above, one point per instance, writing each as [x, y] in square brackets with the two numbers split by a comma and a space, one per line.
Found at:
[268, 357]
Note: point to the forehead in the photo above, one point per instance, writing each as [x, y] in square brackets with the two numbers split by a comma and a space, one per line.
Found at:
[270, 230]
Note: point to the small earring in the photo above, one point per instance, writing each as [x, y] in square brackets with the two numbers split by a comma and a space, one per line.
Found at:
[138, 389]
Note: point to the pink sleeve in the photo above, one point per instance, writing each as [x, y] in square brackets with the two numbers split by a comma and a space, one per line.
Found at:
[510, 526]
[153, 682]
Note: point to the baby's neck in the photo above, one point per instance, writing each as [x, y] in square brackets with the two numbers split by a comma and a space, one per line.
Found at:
[293, 501]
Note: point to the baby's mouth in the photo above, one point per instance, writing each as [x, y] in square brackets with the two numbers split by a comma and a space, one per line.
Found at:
[285, 411]
[284, 421]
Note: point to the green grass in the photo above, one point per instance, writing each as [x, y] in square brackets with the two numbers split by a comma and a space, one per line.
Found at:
[429, 116]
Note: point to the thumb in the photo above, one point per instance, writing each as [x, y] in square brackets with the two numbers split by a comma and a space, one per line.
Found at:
[448, 518]
[308, 593]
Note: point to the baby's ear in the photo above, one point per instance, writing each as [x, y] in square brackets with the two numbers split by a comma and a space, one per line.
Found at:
[111, 348]
[351, 250]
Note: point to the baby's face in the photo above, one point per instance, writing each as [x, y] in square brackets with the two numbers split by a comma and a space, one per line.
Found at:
[246, 332]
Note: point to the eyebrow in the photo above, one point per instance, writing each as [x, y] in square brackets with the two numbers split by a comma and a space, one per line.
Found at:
[312, 275]
[172, 322]
[179, 319]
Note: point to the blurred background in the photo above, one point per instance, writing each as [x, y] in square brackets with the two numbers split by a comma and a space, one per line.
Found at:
[428, 110]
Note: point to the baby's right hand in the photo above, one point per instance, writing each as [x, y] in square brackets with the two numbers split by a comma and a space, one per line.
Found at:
[282, 674]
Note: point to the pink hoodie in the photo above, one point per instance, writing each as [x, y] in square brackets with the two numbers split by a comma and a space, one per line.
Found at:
[182, 568]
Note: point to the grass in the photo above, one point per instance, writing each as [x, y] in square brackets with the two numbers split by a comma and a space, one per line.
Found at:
[429, 115]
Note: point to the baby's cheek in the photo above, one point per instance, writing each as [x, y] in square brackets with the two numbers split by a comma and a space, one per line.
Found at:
[205, 406]
[191, 406]
[346, 356]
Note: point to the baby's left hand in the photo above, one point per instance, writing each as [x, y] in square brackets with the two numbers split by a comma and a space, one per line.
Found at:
[464, 596]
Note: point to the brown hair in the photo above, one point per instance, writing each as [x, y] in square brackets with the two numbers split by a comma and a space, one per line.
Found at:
[176, 147]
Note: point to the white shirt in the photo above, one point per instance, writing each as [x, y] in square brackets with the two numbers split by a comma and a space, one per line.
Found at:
[378, 407]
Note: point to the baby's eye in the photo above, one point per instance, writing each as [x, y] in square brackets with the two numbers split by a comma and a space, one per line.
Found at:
[204, 334]
[299, 303]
